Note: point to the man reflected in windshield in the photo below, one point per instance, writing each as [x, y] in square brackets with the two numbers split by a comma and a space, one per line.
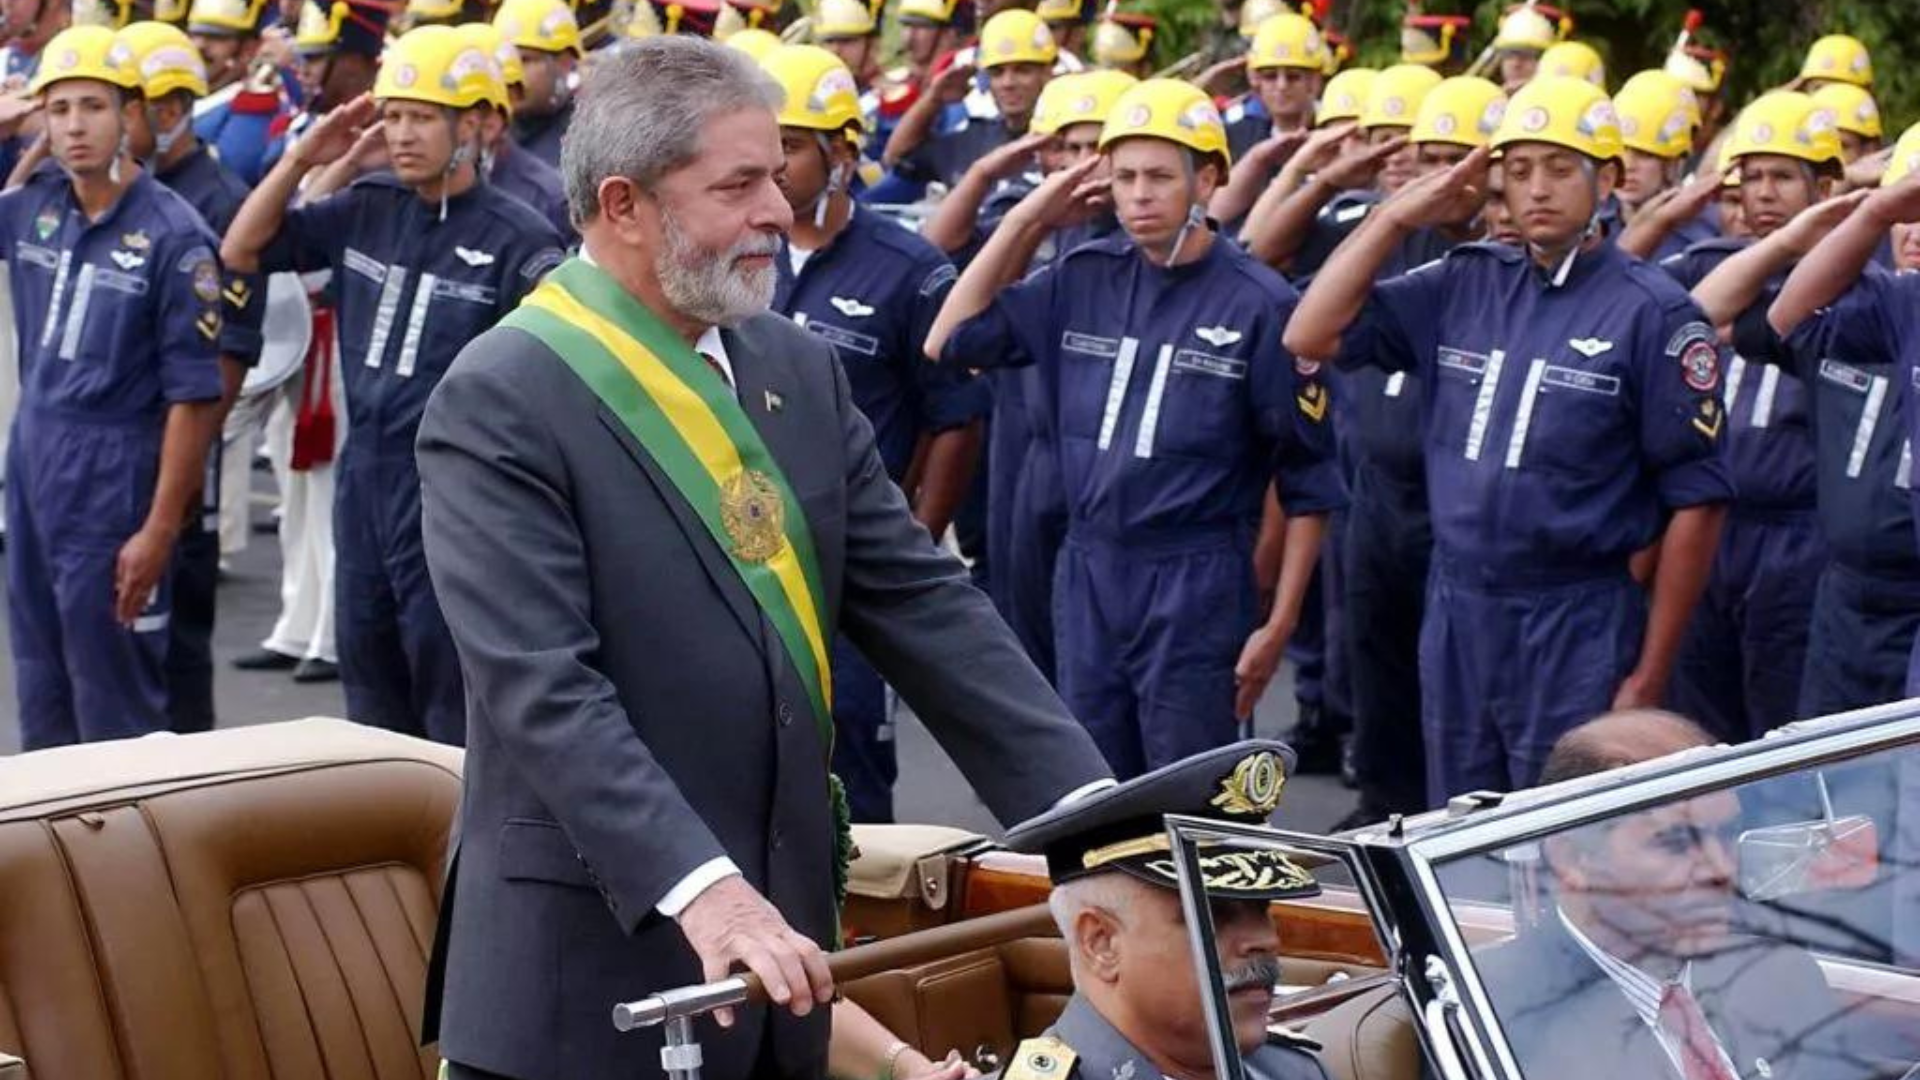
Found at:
[1635, 968]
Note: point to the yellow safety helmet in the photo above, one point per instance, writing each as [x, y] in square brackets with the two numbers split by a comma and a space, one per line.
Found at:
[488, 38]
[1576, 60]
[166, 59]
[1527, 27]
[1345, 96]
[1571, 113]
[1117, 44]
[225, 16]
[1463, 111]
[112, 14]
[1723, 162]
[1789, 124]
[1840, 58]
[839, 20]
[1395, 95]
[1084, 97]
[86, 52]
[754, 41]
[1287, 41]
[170, 11]
[1016, 36]
[543, 25]
[927, 12]
[440, 66]
[1060, 11]
[1657, 114]
[1170, 109]
[1905, 158]
[642, 22]
[1853, 108]
[821, 93]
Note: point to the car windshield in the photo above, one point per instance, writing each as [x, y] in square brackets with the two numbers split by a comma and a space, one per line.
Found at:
[1769, 927]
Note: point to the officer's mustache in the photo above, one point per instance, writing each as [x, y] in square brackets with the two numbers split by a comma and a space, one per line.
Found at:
[1261, 971]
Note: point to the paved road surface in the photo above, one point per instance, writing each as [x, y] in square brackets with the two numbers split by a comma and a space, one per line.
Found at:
[930, 788]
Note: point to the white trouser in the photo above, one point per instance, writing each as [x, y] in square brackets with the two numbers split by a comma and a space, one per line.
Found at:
[238, 441]
[305, 626]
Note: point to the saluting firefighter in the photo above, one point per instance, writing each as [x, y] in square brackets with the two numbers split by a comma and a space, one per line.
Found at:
[870, 288]
[172, 78]
[423, 260]
[1387, 542]
[116, 305]
[1175, 407]
[1026, 510]
[1740, 668]
[548, 38]
[1018, 54]
[1866, 604]
[1573, 420]
[506, 164]
[1658, 116]
[1835, 304]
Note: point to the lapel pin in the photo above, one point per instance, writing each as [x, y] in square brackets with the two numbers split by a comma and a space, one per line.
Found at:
[775, 402]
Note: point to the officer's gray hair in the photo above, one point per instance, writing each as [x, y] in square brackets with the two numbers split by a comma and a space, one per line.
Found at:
[1114, 893]
[644, 107]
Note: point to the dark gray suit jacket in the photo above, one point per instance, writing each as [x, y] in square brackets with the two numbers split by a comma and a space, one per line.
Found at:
[1767, 1003]
[631, 713]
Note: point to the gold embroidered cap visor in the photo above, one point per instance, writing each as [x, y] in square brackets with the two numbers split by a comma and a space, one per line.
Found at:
[1123, 829]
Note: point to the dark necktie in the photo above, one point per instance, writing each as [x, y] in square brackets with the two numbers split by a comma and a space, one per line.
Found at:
[1685, 1028]
[718, 369]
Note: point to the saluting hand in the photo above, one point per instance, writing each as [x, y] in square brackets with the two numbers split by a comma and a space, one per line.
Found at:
[1360, 168]
[1068, 196]
[1321, 146]
[1867, 170]
[1808, 226]
[1452, 195]
[336, 133]
[1898, 204]
[951, 86]
[1011, 158]
[1274, 151]
[729, 924]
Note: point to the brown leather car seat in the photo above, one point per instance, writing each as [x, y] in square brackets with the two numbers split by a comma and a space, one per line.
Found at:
[251, 904]
[1368, 1037]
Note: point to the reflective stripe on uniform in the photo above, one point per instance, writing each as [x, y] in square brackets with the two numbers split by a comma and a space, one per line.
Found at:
[1869, 419]
[383, 315]
[1483, 403]
[77, 314]
[1522, 420]
[1117, 389]
[1156, 391]
[416, 320]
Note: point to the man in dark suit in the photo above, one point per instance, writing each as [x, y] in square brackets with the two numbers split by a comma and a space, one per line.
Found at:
[1635, 969]
[647, 503]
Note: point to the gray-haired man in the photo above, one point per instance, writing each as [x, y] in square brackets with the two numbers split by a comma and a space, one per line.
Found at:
[649, 505]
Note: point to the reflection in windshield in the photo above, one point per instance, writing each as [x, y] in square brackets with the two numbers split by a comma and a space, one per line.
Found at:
[1771, 930]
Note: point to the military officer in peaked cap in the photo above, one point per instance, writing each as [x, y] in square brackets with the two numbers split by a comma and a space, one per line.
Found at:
[1136, 1008]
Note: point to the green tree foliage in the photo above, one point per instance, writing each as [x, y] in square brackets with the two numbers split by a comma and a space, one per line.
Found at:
[1765, 40]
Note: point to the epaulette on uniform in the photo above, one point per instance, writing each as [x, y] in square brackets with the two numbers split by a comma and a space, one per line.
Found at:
[1044, 1058]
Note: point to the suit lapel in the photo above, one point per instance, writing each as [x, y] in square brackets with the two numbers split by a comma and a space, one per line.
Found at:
[763, 394]
[718, 566]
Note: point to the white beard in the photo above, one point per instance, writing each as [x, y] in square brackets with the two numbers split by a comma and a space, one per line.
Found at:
[704, 285]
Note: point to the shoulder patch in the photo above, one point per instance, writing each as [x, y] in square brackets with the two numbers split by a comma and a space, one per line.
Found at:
[940, 277]
[1689, 333]
[1044, 1058]
[542, 261]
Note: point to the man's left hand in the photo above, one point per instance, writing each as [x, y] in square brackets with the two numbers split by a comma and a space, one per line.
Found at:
[1259, 660]
[136, 574]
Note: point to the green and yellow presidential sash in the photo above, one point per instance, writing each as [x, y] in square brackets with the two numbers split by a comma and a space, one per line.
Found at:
[690, 422]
